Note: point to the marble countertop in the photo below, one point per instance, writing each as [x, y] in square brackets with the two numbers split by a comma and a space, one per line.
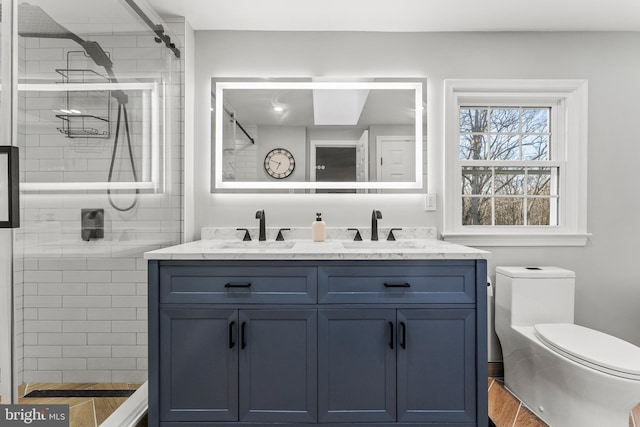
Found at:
[334, 248]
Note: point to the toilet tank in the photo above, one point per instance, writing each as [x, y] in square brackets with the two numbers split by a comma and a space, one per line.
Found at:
[526, 296]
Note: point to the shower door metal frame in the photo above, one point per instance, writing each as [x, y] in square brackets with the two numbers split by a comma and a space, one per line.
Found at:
[8, 135]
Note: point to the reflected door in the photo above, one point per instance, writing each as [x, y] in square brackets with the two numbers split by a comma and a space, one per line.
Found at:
[336, 164]
[396, 160]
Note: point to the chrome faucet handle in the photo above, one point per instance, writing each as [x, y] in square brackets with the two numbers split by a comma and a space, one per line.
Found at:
[247, 236]
[358, 237]
[391, 237]
[280, 237]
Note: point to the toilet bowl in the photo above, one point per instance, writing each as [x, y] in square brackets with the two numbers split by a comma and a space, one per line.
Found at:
[568, 375]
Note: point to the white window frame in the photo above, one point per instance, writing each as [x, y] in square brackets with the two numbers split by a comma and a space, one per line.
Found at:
[568, 101]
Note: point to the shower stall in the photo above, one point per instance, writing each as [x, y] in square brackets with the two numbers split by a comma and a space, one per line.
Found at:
[92, 96]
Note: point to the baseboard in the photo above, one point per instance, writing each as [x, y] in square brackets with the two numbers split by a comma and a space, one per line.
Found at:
[496, 369]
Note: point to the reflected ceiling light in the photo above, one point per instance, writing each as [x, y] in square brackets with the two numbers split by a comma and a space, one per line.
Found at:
[278, 108]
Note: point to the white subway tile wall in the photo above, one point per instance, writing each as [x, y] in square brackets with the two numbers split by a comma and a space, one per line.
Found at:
[81, 307]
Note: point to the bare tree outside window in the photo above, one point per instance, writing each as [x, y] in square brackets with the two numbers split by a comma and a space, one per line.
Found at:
[501, 183]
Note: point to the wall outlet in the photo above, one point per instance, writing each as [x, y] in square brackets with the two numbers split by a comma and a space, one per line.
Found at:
[430, 202]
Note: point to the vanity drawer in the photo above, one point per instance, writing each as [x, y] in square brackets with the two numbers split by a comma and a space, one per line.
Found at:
[397, 284]
[238, 284]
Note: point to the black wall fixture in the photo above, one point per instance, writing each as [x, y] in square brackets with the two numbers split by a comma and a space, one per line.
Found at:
[9, 187]
[158, 29]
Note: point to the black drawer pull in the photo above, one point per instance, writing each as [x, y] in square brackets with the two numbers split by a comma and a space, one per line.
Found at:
[231, 342]
[397, 285]
[391, 330]
[237, 285]
[403, 342]
[243, 335]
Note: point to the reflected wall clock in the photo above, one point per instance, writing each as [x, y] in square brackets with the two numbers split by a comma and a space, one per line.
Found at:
[279, 163]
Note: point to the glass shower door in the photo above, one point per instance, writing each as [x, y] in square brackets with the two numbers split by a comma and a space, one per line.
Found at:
[98, 125]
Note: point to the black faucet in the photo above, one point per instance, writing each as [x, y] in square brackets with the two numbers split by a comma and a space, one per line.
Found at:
[261, 216]
[375, 216]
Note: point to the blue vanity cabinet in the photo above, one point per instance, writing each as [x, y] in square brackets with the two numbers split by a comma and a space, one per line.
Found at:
[409, 365]
[278, 368]
[408, 354]
[223, 351]
[198, 371]
[357, 365]
[267, 343]
[238, 365]
[436, 347]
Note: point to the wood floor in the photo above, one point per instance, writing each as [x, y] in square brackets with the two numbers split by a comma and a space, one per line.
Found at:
[83, 411]
[507, 411]
[504, 409]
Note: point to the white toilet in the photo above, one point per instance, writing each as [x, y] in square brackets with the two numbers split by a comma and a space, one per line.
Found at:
[568, 375]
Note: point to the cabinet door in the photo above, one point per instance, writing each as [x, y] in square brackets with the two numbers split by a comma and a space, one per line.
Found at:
[278, 365]
[198, 365]
[436, 365]
[357, 365]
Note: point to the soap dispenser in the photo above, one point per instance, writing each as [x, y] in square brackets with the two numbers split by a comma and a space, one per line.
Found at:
[318, 229]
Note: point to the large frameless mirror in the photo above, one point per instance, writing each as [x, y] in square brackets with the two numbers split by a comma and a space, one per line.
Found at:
[318, 136]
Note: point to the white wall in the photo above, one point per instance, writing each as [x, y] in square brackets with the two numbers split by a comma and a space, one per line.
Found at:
[608, 288]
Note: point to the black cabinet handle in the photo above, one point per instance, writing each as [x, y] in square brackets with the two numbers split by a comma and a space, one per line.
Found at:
[403, 342]
[237, 285]
[243, 335]
[391, 331]
[231, 341]
[397, 285]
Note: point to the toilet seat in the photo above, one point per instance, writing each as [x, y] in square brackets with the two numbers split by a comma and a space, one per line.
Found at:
[592, 348]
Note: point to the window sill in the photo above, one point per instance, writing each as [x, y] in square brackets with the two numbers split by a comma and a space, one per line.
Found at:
[517, 239]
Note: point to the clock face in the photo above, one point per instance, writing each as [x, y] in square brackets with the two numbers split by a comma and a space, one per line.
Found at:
[279, 163]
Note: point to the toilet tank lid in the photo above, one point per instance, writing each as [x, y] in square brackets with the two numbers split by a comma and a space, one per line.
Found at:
[535, 272]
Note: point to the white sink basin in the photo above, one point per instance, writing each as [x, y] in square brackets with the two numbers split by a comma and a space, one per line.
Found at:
[255, 244]
[381, 244]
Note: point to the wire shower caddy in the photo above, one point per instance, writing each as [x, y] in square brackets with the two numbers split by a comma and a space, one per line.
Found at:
[87, 114]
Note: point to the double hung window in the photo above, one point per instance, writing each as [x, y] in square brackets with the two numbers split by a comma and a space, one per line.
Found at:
[516, 162]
